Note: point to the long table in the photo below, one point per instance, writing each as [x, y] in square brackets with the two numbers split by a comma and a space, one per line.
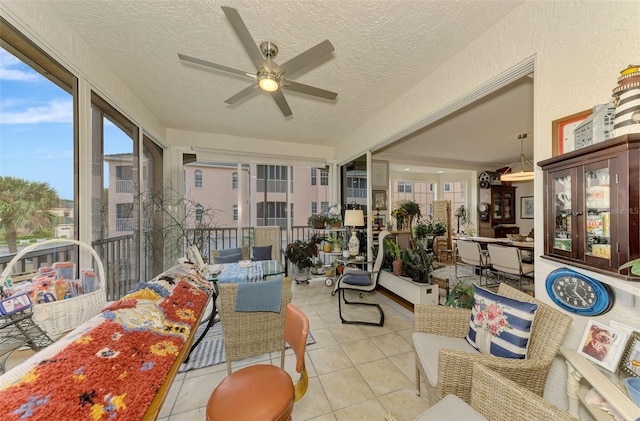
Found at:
[522, 245]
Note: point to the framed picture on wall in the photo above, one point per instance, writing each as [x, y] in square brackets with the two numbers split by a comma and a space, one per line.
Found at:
[380, 174]
[630, 362]
[379, 199]
[563, 140]
[527, 210]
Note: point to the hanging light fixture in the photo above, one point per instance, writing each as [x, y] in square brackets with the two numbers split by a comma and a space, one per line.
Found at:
[523, 175]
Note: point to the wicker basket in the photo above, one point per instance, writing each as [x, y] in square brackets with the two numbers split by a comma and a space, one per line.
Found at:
[61, 316]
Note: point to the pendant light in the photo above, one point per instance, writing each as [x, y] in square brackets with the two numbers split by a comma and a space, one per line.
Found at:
[523, 175]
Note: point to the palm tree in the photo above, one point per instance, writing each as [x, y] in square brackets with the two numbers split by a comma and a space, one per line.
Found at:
[25, 207]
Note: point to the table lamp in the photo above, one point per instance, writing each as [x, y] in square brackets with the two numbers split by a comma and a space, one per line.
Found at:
[354, 218]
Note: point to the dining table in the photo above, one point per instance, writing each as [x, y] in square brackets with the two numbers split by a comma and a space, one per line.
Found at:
[522, 245]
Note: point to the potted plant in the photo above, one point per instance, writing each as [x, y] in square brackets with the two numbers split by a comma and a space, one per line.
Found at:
[461, 296]
[317, 221]
[336, 242]
[422, 234]
[334, 221]
[417, 264]
[412, 209]
[393, 249]
[300, 254]
[438, 228]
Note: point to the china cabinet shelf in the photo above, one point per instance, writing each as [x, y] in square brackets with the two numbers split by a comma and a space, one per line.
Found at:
[502, 211]
[592, 217]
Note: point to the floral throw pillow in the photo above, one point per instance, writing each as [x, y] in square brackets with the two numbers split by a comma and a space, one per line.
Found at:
[500, 326]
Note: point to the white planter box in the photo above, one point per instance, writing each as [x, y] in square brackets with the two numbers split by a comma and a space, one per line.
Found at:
[414, 292]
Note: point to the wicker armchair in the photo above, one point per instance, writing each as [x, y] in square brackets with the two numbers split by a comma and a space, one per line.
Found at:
[454, 366]
[495, 398]
[265, 329]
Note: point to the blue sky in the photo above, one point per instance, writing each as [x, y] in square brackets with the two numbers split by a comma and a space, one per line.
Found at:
[36, 128]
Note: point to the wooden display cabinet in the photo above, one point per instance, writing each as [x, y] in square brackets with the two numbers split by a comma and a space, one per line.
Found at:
[592, 213]
[502, 211]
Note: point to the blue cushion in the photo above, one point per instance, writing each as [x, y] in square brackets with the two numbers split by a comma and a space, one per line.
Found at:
[500, 326]
[228, 252]
[232, 258]
[261, 253]
[357, 277]
[259, 296]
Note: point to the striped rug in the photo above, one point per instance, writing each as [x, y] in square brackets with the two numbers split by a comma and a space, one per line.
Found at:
[210, 351]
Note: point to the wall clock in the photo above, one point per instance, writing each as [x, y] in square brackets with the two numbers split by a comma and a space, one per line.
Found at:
[578, 293]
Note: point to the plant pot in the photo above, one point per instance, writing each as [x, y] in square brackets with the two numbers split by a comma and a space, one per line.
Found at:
[397, 267]
[301, 274]
[326, 248]
[318, 225]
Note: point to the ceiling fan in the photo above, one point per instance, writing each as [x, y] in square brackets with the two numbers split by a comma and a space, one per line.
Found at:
[270, 77]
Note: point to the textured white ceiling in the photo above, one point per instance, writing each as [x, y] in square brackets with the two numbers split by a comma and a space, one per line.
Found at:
[382, 49]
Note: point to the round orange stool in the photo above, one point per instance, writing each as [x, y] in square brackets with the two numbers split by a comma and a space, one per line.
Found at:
[258, 392]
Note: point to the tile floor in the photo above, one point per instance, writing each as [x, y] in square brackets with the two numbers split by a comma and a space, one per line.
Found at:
[355, 372]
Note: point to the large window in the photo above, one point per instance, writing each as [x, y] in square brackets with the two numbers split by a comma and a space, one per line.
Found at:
[38, 151]
[271, 178]
[419, 191]
[198, 179]
[456, 191]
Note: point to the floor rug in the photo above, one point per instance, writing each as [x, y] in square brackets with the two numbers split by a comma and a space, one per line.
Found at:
[210, 351]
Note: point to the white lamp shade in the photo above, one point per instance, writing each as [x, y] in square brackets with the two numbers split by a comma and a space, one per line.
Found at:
[353, 218]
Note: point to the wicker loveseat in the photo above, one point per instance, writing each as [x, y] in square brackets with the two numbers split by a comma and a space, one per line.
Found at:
[455, 365]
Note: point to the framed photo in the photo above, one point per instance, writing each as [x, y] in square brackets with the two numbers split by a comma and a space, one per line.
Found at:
[563, 140]
[379, 199]
[630, 362]
[379, 174]
[527, 210]
[603, 345]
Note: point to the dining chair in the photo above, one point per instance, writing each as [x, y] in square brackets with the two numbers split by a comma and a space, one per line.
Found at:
[508, 260]
[471, 254]
[248, 334]
[264, 391]
[361, 281]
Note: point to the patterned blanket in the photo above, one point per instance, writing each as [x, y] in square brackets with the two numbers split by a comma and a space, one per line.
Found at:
[111, 367]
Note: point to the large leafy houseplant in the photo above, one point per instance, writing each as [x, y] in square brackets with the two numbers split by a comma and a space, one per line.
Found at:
[317, 221]
[417, 264]
[460, 296]
[301, 253]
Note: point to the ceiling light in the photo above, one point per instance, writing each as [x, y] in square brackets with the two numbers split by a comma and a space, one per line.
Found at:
[522, 175]
[407, 169]
[269, 82]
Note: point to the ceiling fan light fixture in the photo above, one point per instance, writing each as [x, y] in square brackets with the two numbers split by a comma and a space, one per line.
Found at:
[269, 82]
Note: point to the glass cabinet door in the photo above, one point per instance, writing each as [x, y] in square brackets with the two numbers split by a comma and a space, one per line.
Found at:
[597, 200]
[496, 203]
[562, 214]
[508, 206]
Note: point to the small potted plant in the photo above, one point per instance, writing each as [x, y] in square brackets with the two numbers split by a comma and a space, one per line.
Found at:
[417, 264]
[336, 241]
[334, 221]
[300, 254]
[461, 296]
[393, 249]
[412, 209]
[317, 221]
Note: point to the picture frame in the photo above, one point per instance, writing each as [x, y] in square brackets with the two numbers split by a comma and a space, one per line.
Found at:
[379, 199]
[603, 345]
[379, 174]
[527, 210]
[562, 138]
[630, 361]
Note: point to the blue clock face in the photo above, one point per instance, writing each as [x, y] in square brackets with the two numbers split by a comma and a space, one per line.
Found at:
[578, 293]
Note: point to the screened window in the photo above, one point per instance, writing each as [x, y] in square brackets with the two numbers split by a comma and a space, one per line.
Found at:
[272, 213]
[199, 212]
[234, 180]
[456, 192]
[324, 177]
[235, 213]
[314, 208]
[271, 178]
[197, 177]
[419, 191]
[314, 176]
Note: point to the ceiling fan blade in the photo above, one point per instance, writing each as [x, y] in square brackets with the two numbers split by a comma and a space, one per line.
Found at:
[216, 66]
[309, 90]
[278, 97]
[243, 93]
[244, 35]
[302, 60]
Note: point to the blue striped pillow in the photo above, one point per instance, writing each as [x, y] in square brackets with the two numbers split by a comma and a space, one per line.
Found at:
[500, 326]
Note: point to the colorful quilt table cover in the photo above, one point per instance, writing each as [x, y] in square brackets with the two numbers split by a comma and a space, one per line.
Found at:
[111, 367]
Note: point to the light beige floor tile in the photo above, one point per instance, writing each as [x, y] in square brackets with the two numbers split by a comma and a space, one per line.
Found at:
[346, 333]
[395, 322]
[362, 351]
[325, 417]
[364, 411]
[392, 344]
[325, 307]
[315, 322]
[406, 334]
[170, 400]
[329, 359]
[406, 363]
[197, 414]
[345, 388]
[383, 377]
[323, 338]
[331, 319]
[195, 392]
[404, 404]
[314, 403]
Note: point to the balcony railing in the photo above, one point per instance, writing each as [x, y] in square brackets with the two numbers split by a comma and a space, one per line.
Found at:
[120, 257]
